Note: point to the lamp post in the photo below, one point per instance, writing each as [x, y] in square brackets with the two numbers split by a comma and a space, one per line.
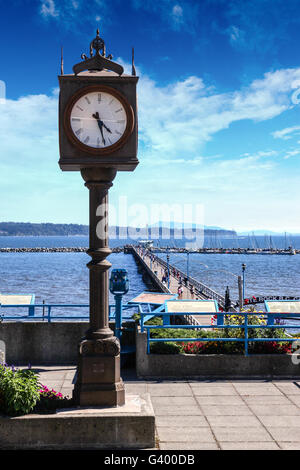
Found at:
[243, 274]
[168, 268]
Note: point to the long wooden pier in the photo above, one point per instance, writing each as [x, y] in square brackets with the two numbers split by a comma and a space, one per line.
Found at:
[176, 282]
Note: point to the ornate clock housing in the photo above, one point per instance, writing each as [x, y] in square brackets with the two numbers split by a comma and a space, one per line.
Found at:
[98, 119]
[98, 116]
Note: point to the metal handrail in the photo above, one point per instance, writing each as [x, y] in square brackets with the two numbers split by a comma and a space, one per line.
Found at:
[221, 325]
[31, 315]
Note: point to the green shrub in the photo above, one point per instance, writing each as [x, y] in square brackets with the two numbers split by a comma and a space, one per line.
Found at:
[222, 347]
[165, 348]
[18, 390]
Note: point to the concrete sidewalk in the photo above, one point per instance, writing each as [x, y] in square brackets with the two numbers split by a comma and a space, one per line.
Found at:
[192, 415]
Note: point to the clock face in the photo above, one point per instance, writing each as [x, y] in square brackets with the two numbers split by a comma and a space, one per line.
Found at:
[99, 119]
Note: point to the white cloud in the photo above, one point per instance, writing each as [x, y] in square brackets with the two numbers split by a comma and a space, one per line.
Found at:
[235, 33]
[179, 119]
[291, 153]
[286, 133]
[48, 9]
[177, 12]
[175, 123]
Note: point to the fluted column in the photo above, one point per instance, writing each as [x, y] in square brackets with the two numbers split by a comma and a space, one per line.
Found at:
[98, 373]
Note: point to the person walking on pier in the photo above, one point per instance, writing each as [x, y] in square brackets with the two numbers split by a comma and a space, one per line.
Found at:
[179, 290]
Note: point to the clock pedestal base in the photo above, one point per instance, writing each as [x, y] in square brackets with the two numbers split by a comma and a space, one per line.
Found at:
[98, 381]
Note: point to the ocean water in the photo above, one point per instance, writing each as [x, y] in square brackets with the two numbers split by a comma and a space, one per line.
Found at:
[57, 277]
[265, 275]
[63, 277]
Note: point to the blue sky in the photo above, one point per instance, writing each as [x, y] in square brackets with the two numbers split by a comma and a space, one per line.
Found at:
[219, 104]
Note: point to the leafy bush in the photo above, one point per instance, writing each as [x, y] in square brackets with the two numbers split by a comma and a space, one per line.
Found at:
[18, 390]
[21, 393]
[223, 347]
[165, 348]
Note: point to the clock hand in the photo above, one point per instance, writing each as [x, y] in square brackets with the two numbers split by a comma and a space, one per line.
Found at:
[108, 130]
[100, 124]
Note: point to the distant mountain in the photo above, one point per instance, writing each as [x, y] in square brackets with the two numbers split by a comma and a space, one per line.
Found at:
[48, 229]
[179, 225]
[29, 229]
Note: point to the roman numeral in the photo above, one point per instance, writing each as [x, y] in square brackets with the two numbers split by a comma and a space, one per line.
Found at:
[119, 133]
[111, 101]
[78, 132]
[87, 100]
[121, 121]
[118, 110]
[77, 106]
[99, 97]
[86, 140]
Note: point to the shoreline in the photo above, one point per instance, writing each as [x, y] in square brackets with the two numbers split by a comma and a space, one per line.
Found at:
[120, 249]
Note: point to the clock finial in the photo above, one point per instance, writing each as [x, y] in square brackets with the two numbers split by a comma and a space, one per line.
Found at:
[98, 59]
[97, 45]
[61, 62]
[133, 71]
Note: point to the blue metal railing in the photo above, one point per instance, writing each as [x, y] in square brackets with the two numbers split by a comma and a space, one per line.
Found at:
[47, 311]
[222, 325]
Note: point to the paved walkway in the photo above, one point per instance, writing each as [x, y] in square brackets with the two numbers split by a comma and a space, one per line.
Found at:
[192, 415]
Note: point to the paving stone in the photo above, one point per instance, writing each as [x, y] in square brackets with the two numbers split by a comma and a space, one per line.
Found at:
[285, 434]
[256, 391]
[241, 434]
[219, 410]
[181, 421]
[289, 388]
[289, 445]
[217, 391]
[177, 434]
[209, 381]
[67, 391]
[251, 383]
[233, 421]
[295, 399]
[249, 446]
[188, 446]
[266, 400]
[278, 410]
[280, 421]
[170, 390]
[177, 401]
[169, 410]
[220, 400]
[135, 388]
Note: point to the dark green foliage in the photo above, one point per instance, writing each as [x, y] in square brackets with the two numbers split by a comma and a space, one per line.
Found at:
[18, 390]
[165, 348]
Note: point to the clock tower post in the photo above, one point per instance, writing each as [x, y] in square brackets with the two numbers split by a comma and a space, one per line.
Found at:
[98, 137]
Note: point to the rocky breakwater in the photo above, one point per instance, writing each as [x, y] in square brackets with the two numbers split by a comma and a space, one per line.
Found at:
[77, 249]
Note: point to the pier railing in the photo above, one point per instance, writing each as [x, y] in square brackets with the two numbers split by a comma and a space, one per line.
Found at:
[31, 312]
[199, 287]
[222, 325]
